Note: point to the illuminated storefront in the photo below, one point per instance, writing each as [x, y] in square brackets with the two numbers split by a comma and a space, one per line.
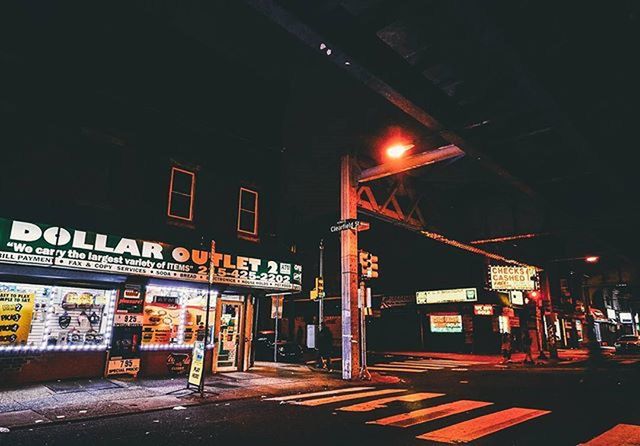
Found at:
[473, 319]
[54, 318]
[113, 305]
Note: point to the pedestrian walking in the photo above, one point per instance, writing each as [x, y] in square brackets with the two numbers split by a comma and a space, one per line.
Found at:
[506, 347]
[325, 346]
[526, 347]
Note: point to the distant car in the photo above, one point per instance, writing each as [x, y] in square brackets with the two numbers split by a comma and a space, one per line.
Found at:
[628, 344]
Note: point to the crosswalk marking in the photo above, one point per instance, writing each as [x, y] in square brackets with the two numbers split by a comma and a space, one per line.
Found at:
[380, 368]
[620, 435]
[382, 402]
[351, 396]
[462, 432]
[430, 413]
[403, 366]
[420, 366]
[441, 362]
[481, 426]
[323, 393]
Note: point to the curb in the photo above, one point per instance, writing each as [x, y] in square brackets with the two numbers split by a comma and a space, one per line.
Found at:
[203, 402]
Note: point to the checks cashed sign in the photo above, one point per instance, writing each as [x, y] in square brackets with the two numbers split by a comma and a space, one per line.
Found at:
[27, 243]
[505, 278]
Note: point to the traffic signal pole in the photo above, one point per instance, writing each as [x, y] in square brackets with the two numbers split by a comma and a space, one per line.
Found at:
[349, 267]
[321, 275]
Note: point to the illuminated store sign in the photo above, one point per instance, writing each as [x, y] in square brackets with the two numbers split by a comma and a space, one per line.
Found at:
[504, 278]
[16, 309]
[517, 298]
[483, 310]
[27, 243]
[445, 323]
[626, 318]
[447, 296]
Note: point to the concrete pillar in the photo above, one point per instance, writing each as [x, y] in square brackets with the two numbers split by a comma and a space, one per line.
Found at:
[349, 268]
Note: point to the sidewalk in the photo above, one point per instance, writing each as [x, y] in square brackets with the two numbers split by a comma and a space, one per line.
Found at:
[63, 401]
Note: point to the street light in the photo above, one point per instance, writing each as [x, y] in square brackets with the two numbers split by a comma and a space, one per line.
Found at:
[592, 259]
[397, 150]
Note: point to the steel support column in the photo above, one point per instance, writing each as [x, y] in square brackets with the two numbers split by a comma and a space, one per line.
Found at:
[349, 267]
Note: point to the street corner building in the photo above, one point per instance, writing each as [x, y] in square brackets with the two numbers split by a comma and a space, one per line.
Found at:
[81, 304]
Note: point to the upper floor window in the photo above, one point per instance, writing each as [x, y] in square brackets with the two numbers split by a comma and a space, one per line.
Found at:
[248, 212]
[181, 194]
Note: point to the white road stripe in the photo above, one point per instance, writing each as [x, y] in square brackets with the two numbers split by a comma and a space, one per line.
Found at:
[351, 396]
[620, 435]
[434, 364]
[323, 393]
[481, 426]
[396, 369]
[442, 363]
[409, 364]
[430, 413]
[382, 402]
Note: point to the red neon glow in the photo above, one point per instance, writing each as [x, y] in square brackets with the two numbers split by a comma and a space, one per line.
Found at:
[397, 150]
[591, 259]
[534, 294]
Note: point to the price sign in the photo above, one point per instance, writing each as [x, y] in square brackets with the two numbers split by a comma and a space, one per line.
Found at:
[124, 354]
[123, 367]
[128, 320]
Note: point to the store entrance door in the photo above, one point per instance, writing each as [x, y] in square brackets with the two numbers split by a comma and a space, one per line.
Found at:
[229, 346]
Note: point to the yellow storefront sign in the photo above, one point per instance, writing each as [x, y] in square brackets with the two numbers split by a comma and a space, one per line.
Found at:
[197, 364]
[16, 310]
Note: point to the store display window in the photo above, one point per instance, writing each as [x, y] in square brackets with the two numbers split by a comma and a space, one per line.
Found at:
[172, 316]
[47, 317]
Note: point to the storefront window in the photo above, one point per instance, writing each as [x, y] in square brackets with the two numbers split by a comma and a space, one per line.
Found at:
[44, 317]
[173, 316]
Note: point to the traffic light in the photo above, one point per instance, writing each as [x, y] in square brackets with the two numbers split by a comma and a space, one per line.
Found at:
[320, 286]
[318, 290]
[368, 265]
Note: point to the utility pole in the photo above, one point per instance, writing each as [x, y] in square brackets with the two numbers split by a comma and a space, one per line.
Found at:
[321, 275]
[349, 270]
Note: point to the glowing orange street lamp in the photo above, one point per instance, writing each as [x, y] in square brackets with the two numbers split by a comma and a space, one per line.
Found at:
[397, 150]
[591, 259]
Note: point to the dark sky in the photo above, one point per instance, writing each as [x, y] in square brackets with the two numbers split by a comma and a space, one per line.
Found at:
[546, 93]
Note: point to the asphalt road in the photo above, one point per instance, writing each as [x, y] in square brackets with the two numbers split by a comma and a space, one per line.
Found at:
[565, 408]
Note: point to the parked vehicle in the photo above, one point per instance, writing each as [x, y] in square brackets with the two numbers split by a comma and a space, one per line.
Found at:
[288, 351]
[628, 344]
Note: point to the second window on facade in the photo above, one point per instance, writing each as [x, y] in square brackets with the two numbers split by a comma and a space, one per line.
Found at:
[248, 212]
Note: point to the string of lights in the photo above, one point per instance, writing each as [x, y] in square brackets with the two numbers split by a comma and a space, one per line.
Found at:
[509, 238]
[441, 238]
